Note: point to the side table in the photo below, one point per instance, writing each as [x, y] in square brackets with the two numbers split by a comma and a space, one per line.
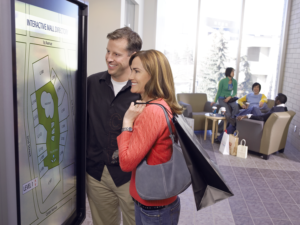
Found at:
[215, 119]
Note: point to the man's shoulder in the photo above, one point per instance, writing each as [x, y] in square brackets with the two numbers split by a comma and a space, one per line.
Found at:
[98, 76]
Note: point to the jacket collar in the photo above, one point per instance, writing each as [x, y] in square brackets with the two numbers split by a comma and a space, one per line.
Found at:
[107, 78]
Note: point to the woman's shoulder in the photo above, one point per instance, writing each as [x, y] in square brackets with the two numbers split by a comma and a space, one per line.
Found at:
[156, 109]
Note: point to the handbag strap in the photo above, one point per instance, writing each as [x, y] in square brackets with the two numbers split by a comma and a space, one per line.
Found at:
[166, 112]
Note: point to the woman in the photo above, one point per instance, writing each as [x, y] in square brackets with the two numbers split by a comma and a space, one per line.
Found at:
[145, 132]
[227, 89]
[255, 99]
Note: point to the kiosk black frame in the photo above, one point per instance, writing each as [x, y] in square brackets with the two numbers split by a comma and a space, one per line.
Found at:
[80, 96]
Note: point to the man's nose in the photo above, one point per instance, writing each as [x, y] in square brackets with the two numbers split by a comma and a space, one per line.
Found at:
[109, 57]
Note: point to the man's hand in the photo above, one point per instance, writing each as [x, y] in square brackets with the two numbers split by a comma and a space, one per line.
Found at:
[227, 99]
[241, 117]
[244, 106]
[261, 104]
[212, 103]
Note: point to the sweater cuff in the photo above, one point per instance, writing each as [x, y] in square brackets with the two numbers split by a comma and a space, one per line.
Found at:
[125, 135]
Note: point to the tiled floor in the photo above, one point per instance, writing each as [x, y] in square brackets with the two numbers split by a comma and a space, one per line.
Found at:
[266, 192]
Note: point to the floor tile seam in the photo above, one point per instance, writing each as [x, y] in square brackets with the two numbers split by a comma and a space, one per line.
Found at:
[244, 199]
[290, 219]
[262, 201]
[226, 184]
[292, 181]
[289, 195]
[258, 196]
[293, 198]
[271, 188]
[229, 208]
[279, 204]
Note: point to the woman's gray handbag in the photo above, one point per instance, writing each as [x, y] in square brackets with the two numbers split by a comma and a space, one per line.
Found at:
[162, 181]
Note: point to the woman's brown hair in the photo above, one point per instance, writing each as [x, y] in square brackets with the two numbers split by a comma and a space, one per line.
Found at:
[161, 84]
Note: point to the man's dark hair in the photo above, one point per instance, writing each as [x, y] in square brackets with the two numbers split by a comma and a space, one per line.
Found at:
[133, 39]
[256, 84]
[228, 71]
[282, 98]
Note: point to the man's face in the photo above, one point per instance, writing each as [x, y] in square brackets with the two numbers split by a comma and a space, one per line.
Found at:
[277, 102]
[117, 58]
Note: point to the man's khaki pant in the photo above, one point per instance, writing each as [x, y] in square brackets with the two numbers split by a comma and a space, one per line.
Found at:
[106, 199]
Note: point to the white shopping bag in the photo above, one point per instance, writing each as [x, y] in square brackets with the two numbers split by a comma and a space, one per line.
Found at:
[224, 146]
[242, 150]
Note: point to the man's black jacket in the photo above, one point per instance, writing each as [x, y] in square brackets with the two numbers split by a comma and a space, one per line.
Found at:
[105, 117]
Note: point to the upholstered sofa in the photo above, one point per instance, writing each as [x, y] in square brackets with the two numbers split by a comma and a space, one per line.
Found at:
[195, 106]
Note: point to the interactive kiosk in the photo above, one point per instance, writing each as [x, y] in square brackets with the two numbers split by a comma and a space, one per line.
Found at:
[49, 110]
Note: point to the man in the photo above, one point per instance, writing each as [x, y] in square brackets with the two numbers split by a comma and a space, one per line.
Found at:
[109, 97]
[279, 106]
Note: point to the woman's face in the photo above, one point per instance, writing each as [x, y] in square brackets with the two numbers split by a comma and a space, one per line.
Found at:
[232, 74]
[256, 90]
[138, 77]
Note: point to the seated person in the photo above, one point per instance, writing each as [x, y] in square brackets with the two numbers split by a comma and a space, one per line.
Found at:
[255, 99]
[279, 106]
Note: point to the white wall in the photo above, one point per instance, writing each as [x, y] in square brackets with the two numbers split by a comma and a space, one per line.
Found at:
[106, 16]
[149, 31]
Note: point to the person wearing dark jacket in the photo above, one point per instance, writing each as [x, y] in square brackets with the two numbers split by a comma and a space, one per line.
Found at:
[279, 106]
[256, 114]
[108, 98]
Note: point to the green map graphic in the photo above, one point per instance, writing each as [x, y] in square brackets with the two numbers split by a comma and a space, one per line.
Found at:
[50, 124]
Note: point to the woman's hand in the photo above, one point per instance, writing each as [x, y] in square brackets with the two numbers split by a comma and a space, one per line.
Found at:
[132, 113]
[261, 104]
[244, 106]
[227, 99]
[212, 103]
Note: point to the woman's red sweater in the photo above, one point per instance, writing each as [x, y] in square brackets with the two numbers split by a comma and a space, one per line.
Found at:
[150, 136]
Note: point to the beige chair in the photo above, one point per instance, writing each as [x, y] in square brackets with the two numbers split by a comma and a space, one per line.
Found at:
[266, 138]
[196, 105]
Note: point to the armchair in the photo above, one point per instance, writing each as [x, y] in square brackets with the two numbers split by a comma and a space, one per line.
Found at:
[266, 138]
[196, 105]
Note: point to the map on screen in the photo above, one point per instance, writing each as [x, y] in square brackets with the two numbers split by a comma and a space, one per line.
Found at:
[46, 50]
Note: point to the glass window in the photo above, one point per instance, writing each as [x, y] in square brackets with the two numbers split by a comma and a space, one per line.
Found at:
[218, 42]
[176, 38]
[262, 33]
[129, 14]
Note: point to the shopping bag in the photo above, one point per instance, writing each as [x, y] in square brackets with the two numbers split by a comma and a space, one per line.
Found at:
[233, 142]
[242, 150]
[208, 184]
[190, 122]
[224, 146]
